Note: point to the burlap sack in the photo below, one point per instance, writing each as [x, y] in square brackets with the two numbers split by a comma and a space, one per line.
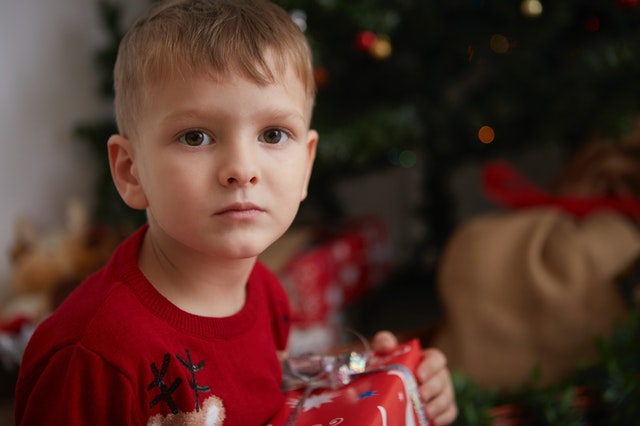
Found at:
[531, 288]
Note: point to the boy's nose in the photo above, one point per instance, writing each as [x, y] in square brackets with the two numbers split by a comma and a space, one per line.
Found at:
[238, 167]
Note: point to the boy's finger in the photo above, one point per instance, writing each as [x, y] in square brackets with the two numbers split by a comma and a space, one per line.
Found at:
[433, 387]
[446, 417]
[384, 341]
[441, 409]
[433, 361]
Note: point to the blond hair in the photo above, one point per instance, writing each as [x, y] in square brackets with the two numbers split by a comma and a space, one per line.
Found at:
[183, 38]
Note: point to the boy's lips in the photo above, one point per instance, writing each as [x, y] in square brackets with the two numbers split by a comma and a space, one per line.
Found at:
[240, 211]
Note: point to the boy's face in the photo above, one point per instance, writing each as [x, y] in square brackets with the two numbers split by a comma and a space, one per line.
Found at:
[220, 165]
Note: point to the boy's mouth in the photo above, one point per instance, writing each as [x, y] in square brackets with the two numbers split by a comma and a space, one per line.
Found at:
[240, 211]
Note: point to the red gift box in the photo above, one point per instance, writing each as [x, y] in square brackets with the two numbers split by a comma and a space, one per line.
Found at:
[335, 271]
[387, 394]
[325, 268]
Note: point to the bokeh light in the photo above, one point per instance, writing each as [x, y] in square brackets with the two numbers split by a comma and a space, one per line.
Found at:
[381, 49]
[499, 43]
[405, 158]
[531, 8]
[486, 134]
[365, 40]
[408, 159]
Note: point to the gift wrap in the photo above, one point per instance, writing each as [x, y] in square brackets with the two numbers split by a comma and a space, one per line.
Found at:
[324, 278]
[385, 394]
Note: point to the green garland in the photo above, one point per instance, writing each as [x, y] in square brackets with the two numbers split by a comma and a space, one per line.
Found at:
[606, 392]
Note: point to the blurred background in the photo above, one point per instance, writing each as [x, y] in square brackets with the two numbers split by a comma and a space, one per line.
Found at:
[415, 98]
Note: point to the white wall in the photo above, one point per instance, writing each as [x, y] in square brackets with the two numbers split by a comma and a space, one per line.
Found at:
[47, 87]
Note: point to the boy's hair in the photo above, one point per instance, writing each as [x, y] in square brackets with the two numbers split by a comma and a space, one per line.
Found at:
[186, 38]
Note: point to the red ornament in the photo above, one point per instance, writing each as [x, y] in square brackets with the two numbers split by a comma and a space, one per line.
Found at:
[365, 40]
[627, 3]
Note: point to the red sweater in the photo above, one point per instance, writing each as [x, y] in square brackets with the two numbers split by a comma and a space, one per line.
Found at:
[116, 352]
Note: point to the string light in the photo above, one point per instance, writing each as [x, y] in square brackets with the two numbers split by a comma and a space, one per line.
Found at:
[377, 45]
[531, 8]
[381, 48]
[499, 43]
[486, 134]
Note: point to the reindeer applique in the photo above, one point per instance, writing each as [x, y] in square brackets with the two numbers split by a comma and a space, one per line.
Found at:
[210, 413]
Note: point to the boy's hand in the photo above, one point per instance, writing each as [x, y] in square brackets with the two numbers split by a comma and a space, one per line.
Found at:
[434, 380]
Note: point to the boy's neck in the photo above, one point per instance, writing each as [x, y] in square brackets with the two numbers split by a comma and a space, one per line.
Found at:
[210, 289]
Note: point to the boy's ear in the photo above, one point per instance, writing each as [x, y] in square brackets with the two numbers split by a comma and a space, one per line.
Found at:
[124, 172]
[312, 143]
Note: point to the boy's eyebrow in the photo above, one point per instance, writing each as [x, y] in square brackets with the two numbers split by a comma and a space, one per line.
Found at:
[184, 114]
[203, 114]
[286, 114]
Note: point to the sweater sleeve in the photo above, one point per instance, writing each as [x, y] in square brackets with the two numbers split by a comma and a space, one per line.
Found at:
[76, 387]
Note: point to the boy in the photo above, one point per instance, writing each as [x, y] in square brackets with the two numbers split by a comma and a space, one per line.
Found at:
[183, 326]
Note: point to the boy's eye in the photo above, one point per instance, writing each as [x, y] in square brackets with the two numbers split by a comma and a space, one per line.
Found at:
[274, 136]
[195, 138]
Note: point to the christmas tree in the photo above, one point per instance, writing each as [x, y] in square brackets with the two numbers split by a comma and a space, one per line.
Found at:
[444, 81]
[450, 80]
